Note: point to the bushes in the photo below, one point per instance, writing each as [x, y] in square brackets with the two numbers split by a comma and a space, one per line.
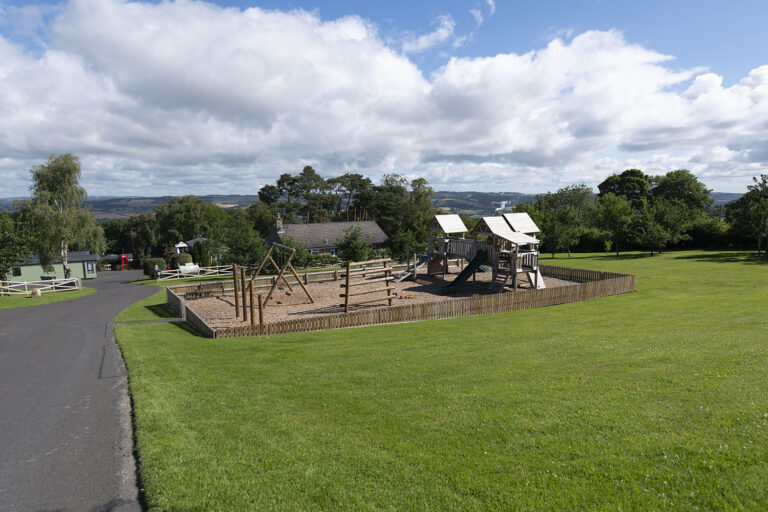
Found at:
[149, 266]
[324, 260]
[180, 259]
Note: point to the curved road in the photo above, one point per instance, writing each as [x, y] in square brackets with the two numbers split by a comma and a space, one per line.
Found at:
[65, 432]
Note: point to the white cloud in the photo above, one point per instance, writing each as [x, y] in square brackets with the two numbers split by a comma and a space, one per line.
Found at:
[478, 15]
[443, 32]
[491, 7]
[187, 97]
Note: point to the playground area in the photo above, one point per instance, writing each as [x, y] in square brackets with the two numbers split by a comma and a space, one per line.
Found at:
[219, 311]
[496, 270]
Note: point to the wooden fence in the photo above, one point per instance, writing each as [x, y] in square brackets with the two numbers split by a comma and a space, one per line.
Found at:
[314, 276]
[46, 286]
[588, 284]
[179, 274]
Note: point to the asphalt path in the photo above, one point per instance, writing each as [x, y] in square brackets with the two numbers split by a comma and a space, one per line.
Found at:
[65, 431]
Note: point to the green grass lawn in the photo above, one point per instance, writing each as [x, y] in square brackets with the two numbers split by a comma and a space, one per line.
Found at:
[655, 400]
[151, 308]
[23, 301]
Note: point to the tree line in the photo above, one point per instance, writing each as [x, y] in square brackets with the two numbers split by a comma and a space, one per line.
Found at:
[402, 209]
[635, 211]
[631, 211]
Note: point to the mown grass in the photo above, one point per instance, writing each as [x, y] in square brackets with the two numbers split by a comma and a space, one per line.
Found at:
[24, 301]
[655, 400]
[151, 308]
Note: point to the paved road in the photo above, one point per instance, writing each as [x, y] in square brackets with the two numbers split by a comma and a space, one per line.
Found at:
[65, 430]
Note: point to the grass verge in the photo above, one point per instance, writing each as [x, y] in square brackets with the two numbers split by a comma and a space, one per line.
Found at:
[23, 301]
[151, 308]
[651, 400]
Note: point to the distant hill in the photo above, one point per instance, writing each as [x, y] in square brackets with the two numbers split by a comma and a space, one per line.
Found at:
[462, 203]
[477, 203]
[105, 208]
[722, 198]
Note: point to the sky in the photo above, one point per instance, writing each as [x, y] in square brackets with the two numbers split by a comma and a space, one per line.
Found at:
[190, 97]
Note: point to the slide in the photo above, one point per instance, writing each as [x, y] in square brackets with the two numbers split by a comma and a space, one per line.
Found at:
[470, 269]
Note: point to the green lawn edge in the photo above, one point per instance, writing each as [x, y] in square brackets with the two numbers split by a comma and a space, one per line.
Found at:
[654, 400]
[24, 301]
[149, 309]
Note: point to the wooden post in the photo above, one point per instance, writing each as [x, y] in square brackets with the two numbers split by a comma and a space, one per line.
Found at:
[387, 282]
[445, 264]
[237, 295]
[346, 291]
[261, 315]
[253, 313]
[245, 297]
[295, 275]
[415, 261]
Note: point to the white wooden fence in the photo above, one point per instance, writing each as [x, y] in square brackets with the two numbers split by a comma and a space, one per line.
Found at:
[47, 286]
[173, 275]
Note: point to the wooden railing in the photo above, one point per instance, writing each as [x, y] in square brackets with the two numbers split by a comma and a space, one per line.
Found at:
[588, 284]
[174, 275]
[463, 248]
[320, 276]
[47, 286]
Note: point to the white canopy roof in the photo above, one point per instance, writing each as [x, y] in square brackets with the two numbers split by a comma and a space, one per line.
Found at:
[500, 228]
[451, 223]
[181, 244]
[522, 222]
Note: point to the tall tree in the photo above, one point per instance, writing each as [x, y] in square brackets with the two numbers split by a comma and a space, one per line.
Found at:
[563, 216]
[13, 244]
[55, 213]
[262, 217]
[683, 186]
[242, 244]
[142, 229]
[748, 215]
[631, 184]
[188, 217]
[614, 217]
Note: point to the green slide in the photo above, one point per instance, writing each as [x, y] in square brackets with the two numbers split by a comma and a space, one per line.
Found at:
[474, 265]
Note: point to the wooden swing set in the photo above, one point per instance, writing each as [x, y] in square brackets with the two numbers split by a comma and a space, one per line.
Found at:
[246, 286]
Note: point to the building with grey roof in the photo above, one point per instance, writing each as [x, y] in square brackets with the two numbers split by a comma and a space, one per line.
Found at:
[323, 237]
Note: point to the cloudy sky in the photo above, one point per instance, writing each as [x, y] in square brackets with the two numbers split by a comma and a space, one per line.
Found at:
[184, 96]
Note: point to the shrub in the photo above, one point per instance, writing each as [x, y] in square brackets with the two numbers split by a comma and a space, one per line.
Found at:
[325, 260]
[149, 266]
[352, 247]
[201, 253]
[180, 259]
[302, 257]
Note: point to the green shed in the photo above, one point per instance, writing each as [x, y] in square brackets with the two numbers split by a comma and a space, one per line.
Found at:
[82, 264]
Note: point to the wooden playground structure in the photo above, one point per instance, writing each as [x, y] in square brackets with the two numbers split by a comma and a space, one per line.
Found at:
[505, 244]
[501, 256]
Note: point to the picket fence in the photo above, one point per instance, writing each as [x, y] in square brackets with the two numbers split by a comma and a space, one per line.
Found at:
[587, 284]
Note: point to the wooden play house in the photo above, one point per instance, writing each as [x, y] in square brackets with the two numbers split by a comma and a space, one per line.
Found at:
[507, 244]
[510, 254]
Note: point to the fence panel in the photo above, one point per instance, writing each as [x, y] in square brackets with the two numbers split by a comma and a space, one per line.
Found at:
[47, 286]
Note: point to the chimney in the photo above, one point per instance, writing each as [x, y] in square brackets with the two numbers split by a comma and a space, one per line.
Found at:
[279, 224]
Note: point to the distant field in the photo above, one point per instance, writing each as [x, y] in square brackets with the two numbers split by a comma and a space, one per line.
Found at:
[22, 301]
[655, 400]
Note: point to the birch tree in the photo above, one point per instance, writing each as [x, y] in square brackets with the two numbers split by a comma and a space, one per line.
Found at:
[55, 214]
